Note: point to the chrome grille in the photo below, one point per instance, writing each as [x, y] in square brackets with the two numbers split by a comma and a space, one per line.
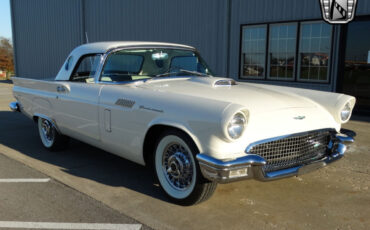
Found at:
[293, 150]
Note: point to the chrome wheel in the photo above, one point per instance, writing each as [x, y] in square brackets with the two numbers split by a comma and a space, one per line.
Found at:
[47, 132]
[177, 166]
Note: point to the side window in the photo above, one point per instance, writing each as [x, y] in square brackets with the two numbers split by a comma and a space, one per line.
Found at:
[86, 68]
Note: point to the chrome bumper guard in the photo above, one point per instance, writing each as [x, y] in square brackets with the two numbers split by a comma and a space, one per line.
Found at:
[251, 165]
[14, 106]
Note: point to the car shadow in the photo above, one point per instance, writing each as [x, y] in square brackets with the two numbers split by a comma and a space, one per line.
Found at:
[79, 159]
[6, 82]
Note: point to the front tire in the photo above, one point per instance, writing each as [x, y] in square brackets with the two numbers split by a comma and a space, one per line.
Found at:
[50, 138]
[178, 171]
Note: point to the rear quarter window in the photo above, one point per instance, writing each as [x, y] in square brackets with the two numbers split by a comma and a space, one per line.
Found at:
[86, 68]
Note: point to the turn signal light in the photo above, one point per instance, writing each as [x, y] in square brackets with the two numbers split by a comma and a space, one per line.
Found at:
[238, 173]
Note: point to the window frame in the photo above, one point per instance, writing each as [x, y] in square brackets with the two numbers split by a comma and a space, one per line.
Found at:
[77, 65]
[241, 65]
[268, 77]
[296, 66]
[105, 62]
[329, 58]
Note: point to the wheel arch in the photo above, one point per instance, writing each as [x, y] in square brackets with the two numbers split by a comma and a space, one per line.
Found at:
[37, 115]
[155, 130]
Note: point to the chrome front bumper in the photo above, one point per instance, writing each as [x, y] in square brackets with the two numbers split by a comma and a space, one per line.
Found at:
[251, 166]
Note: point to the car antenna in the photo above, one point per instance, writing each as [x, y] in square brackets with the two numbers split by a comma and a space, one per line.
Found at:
[87, 41]
[87, 37]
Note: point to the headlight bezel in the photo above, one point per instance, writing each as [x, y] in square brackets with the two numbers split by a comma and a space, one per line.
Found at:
[346, 112]
[234, 133]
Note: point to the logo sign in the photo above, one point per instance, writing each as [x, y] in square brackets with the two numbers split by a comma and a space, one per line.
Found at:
[299, 117]
[338, 11]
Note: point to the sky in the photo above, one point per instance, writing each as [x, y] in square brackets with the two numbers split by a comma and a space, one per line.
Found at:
[5, 23]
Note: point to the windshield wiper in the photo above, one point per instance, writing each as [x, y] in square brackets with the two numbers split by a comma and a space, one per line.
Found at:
[180, 71]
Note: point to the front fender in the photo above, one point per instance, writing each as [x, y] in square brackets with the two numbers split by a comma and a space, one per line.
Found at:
[183, 126]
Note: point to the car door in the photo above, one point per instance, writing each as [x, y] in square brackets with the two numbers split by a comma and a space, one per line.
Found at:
[76, 107]
[122, 123]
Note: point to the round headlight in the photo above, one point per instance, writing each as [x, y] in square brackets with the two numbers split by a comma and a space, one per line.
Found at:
[236, 126]
[346, 112]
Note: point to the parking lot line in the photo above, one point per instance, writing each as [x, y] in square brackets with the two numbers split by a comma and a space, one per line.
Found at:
[51, 225]
[25, 180]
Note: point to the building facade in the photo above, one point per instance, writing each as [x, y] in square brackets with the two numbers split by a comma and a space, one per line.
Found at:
[283, 42]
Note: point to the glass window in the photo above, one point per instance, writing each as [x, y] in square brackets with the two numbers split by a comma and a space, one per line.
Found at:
[253, 52]
[356, 79]
[139, 64]
[282, 49]
[188, 63]
[314, 52]
[86, 68]
[121, 63]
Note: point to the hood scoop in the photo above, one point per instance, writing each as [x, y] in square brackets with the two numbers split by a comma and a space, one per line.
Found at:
[214, 81]
[224, 82]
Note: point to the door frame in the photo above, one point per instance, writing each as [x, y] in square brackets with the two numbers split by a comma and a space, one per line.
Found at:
[343, 50]
[342, 55]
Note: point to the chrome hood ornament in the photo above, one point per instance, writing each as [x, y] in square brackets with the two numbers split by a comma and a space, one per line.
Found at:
[299, 117]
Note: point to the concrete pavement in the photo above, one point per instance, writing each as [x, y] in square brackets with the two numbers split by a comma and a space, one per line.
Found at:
[27, 195]
[335, 197]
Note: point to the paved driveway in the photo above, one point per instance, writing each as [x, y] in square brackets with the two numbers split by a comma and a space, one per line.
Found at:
[336, 197]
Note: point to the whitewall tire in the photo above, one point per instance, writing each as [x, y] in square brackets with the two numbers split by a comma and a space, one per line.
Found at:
[177, 169]
[50, 138]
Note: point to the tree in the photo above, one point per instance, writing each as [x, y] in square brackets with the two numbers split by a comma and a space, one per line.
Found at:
[6, 55]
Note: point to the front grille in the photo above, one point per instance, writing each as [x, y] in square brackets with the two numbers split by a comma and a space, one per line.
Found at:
[293, 150]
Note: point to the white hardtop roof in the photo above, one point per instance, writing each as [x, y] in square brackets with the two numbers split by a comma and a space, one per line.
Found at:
[102, 47]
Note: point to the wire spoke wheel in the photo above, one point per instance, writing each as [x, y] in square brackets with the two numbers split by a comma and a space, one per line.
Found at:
[177, 166]
[177, 170]
[50, 137]
[47, 132]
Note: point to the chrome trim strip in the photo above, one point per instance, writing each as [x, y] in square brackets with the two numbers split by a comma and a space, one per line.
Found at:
[247, 160]
[150, 109]
[107, 53]
[14, 106]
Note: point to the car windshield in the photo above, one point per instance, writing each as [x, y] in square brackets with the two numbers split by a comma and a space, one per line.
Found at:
[138, 64]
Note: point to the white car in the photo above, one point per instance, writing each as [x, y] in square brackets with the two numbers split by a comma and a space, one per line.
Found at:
[158, 104]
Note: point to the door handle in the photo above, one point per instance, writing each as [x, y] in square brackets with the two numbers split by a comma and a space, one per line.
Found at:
[61, 89]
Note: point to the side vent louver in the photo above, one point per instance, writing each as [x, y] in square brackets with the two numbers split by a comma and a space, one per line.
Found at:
[125, 103]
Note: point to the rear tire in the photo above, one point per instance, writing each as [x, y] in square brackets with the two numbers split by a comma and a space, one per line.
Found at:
[178, 171]
[51, 139]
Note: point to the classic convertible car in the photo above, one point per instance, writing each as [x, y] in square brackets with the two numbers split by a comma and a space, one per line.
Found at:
[157, 104]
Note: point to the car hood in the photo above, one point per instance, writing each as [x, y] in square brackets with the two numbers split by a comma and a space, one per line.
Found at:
[252, 96]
